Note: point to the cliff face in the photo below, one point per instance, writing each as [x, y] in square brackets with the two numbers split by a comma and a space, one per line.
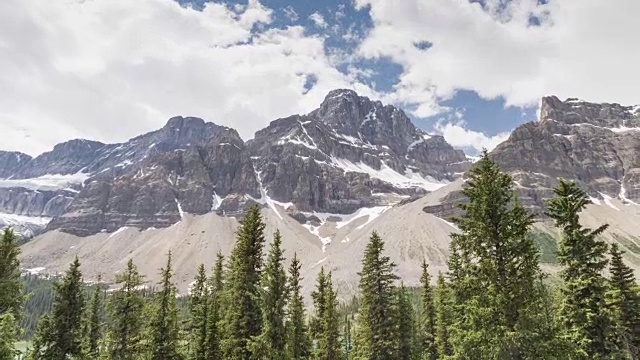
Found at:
[349, 153]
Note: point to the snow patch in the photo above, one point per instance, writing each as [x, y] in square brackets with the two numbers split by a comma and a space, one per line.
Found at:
[319, 262]
[607, 201]
[180, 209]
[13, 219]
[35, 270]
[595, 201]
[315, 230]
[49, 182]
[217, 201]
[449, 223]
[408, 180]
[623, 196]
[118, 231]
[419, 141]
[265, 199]
[371, 213]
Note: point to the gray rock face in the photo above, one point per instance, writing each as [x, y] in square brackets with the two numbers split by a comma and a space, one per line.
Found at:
[597, 145]
[349, 153]
[10, 161]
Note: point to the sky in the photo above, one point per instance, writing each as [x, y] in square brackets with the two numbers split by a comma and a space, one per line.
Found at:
[470, 70]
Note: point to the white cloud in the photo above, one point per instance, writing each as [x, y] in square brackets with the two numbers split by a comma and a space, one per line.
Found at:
[291, 14]
[459, 136]
[318, 20]
[112, 69]
[584, 49]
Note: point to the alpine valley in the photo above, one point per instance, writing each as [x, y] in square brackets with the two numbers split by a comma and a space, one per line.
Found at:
[326, 180]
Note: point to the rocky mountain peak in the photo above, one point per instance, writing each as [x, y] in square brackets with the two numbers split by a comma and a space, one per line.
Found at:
[574, 111]
[10, 161]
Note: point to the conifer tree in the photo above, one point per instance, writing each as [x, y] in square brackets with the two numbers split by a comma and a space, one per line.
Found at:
[94, 323]
[163, 327]
[216, 288]
[243, 316]
[11, 298]
[125, 310]
[624, 302]
[297, 346]
[318, 296]
[270, 343]
[8, 336]
[405, 327]
[63, 336]
[376, 326]
[328, 340]
[40, 338]
[427, 346]
[443, 321]
[198, 310]
[582, 255]
[494, 266]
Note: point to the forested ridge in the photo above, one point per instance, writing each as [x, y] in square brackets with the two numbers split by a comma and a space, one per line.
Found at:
[493, 303]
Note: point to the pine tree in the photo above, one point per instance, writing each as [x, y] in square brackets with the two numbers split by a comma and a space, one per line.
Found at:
[328, 340]
[297, 346]
[11, 298]
[427, 345]
[125, 307]
[216, 287]
[494, 266]
[64, 328]
[582, 255]
[443, 321]
[624, 302]
[318, 296]
[40, 338]
[405, 326]
[198, 311]
[163, 327]
[94, 323]
[8, 336]
[243, 316]
[376, 326]
[270, 343]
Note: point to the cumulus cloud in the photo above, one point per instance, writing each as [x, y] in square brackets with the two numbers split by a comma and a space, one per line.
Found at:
[519, 50]
[112, 69]
[458, 135]
[318, 20]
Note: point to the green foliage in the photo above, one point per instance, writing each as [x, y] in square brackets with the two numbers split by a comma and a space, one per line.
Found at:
[547, 245]
[198, 310]
[61, 333]
[39, 299]
[163, 327]
[623, 299]
[94, 323]
[444, 317]
[125, 310]
[11, 298]
[270, 343]
[325, 324]
[427, 330]
[216, 287]
[376, 327]
[630, 243]
[582, 256]
[243, 316]
[493, 267]
[297, 344]
[405, 327]
[8, 336]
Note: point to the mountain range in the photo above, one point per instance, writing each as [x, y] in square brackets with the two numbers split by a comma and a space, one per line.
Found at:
[326, 179]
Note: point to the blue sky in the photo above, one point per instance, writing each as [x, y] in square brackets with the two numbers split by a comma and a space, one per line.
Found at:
[344, 27]
[472, 71]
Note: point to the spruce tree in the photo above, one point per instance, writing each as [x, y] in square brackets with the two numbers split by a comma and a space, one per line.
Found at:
[328, 340]
[427, 346]
[405, 326]
[198, 311]
[216, 288]
[8, 336]
[494, 265]
[125, 310]
[94, 323]
[318, 296]
[11, 298]
[243, 316]
[582, 255]
[297, 346]
[270, 343]
[624, 302]
[40, 339]
[63, 337]
[377, 292]
[443, 321]
[163, 327]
